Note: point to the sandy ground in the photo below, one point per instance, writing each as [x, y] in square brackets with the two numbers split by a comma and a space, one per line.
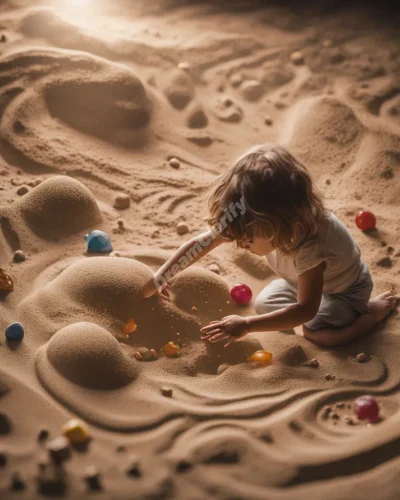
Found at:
[95, 98]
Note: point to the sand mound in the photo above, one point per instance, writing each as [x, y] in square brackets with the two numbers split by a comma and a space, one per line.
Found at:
[203, 289]
[325, 131]
[110, 284]
[58, 207]
[88, 355]
[99, 105]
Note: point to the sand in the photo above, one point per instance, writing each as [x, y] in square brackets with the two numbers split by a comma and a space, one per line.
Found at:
[95, 99]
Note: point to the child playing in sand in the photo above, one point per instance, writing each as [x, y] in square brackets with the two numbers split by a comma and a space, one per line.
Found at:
[266, 203]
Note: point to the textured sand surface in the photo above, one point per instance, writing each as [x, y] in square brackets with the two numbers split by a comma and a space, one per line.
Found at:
[95, 98]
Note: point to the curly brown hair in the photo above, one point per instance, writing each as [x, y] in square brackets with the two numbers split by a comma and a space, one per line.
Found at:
[280, 201]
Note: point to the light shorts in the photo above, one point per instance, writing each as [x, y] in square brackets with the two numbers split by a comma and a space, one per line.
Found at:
[336, 309]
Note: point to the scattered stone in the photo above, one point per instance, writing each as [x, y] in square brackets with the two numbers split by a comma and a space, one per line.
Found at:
[174, 163]
[6, 283]
[333, 415]
[222, 368]
[76, 431]
[59, 449]
[43, 435]
[196, 117]
[3, 38]
[280, 105]
[184, 65]
[22, 190]
[236, 79]
[35, 182]
[15, 332]
[327, 43]
[387, 173]
[121, 448]
[313, 363]
[252, 90]
[17, 483]
[348, 420]
[390, 249]
[92, 477]
[43, 463]
[120, 223]
[297, 58]
[19, 256]
[133, 468]
[340, 405]
[194, 308]
[385, 262]
[3, 460]
[227, 102]
[183, 466]
[326, 412]
[362, 357]
[165, 391]
[178, 88]
[214, 268]
[122, 201]
[268, 121]
[328, 376]
[182, 228]
[145, 354]
[328, 181]
[98, 241]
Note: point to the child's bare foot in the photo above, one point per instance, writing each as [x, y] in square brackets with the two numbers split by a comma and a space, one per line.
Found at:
[381, 305]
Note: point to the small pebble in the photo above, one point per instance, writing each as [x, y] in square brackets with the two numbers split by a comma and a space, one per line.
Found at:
[327, 43]
[214, 268]
[334, 415]
[76, 431]
[182, 228]
[133, 468]
[326, 412]
[43, 463]
[121, 448]
[122, 201]
[6, 283]
[43, 435]
[268, 121]
[15, 332]
[120, 223]
[3, 460]
[328, 376]
[328, 181]
[194, 308]
[252, 90]
[236, 79]
[19, 256]
[92, 477]
[227, 102]
[362, 357]
[339, 405]
[184, 65]
[3, 38]
[165, 391]
[297, 58]
[17, 483]
[313, 363]
[22, 190]
[59, 449]
[348, 420]
[174, 163]
[35, 182]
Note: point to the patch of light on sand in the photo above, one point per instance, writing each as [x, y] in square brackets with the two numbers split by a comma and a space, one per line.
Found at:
[79, 12]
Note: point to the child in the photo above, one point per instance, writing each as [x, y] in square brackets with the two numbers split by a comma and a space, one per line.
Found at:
[324, 284]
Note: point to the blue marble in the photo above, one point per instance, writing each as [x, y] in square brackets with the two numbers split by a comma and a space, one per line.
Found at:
[15, 331]
[98, 241]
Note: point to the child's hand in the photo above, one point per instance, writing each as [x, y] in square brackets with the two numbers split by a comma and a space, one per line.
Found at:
[150, 289]
[232, 327]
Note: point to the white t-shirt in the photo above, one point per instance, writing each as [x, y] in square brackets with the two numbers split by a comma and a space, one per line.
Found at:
[333, 244]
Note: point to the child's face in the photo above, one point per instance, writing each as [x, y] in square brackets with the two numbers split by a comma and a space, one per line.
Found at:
[258, 245]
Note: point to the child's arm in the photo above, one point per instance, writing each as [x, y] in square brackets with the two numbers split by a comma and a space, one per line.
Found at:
[193, 250]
